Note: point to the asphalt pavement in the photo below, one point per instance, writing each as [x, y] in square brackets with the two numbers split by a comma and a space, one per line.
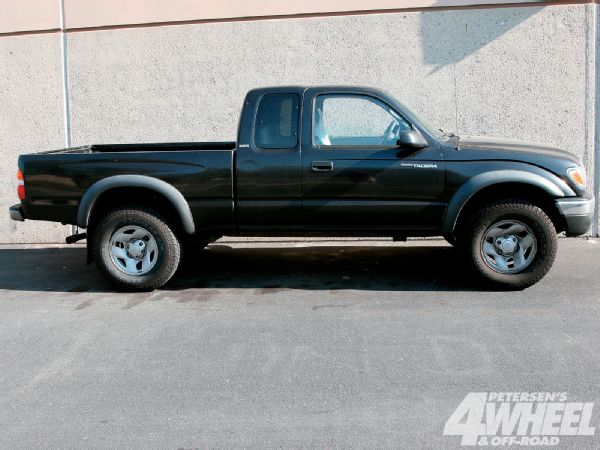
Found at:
[326, 344]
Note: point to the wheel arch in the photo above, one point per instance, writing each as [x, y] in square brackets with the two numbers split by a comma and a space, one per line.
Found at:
[496, 185]
[119, 186]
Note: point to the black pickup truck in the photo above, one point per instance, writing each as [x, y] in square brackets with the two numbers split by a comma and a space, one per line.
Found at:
[313, 161]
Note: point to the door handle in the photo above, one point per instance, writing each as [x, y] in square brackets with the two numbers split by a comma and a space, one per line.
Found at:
[322, 166]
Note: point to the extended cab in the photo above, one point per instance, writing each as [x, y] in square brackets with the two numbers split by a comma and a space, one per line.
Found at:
[313, 161]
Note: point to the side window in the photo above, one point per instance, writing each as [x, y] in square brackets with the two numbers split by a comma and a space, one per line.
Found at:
[277, 121]
[355, 121]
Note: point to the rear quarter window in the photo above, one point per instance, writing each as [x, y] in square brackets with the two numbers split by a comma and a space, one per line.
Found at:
[277, 121]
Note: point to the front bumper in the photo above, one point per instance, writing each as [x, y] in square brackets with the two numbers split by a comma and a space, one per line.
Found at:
[577, 213]
[16, 213]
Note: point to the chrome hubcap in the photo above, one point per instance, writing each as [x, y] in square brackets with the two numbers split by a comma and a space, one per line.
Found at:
[508, 246]
[133, 250]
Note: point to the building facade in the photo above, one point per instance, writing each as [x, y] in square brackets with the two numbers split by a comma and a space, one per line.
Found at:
[74, 72]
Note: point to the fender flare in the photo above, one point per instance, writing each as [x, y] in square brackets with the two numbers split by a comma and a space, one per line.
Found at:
[139, 181]
[554, 188]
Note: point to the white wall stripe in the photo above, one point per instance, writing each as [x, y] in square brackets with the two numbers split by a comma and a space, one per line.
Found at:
[65, 76]
[596, 45]
[65, 85]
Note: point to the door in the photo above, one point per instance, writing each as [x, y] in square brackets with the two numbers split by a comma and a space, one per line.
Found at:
[354, 176]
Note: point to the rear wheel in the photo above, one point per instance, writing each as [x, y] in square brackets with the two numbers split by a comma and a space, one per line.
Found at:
[135, 249]
[509, 244]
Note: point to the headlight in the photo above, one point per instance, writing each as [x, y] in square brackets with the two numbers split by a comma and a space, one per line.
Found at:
[577, 176]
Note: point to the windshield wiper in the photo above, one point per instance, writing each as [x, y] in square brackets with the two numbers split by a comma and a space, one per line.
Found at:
[447, 133]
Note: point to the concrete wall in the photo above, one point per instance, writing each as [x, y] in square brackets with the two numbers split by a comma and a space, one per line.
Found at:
[522, 72]
[31, 119]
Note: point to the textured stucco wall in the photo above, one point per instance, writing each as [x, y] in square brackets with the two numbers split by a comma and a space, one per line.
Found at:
[31, 119]
[523, 72]
[516, 72]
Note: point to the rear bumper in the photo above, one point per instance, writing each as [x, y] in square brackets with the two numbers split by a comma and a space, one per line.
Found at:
[16, 213]
[577, 213]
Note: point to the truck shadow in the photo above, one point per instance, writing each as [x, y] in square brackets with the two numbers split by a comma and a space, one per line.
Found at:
[390, 268]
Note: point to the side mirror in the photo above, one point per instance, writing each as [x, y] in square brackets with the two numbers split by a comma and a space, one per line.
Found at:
[411, 139]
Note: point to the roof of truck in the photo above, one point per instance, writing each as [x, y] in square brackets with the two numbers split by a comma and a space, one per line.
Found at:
[333, 87]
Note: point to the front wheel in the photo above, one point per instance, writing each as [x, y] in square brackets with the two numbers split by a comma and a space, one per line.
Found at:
[135, 249]
[509, 244]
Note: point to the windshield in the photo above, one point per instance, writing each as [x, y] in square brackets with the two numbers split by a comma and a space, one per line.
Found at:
[431, 129]
[410, 114]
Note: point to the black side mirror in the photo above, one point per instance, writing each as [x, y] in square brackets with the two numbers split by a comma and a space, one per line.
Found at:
[411, 139]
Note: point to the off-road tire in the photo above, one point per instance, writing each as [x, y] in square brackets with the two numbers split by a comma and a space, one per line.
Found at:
[470, 241]
[169, 251]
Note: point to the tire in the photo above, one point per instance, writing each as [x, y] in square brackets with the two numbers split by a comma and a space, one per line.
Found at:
[135, 249]
[509, 245]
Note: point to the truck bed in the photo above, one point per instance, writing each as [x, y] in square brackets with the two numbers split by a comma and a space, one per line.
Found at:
[201, 171]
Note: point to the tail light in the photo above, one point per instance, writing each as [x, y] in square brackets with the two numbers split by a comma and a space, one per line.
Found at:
[20, 185]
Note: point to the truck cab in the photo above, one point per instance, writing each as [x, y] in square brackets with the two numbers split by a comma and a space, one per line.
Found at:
[330, 159]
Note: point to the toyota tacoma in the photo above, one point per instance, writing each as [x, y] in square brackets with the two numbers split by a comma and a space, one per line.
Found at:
[313, 161]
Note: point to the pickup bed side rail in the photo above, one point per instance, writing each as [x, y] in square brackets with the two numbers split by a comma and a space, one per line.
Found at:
[139, 181]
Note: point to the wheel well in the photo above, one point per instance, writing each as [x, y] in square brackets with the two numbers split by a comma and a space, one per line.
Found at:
[134, 196]
[513, 191]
